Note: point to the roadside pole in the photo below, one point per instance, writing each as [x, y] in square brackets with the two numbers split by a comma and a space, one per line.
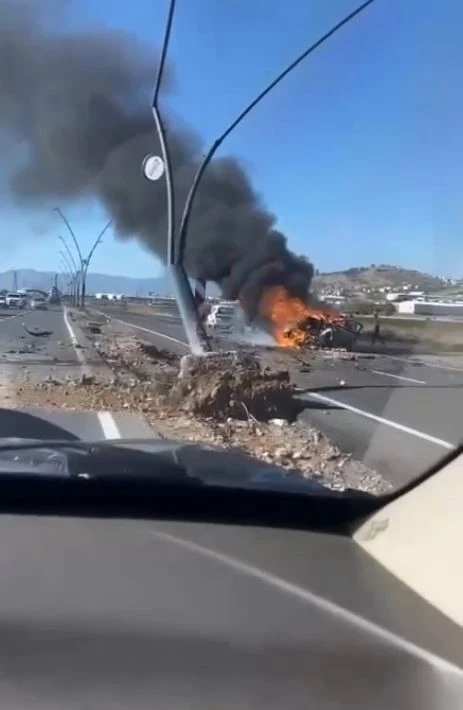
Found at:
[154, 167]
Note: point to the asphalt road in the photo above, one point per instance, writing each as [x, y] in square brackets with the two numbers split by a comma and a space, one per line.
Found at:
[51, 352]
[398, 415]
[17, 345]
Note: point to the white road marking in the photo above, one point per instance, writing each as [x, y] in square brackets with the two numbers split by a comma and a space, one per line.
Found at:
[382, 420]
[108, 425]
[398, 377]
[323, 398]
[147, 330]
[330, 608]
[75, 343]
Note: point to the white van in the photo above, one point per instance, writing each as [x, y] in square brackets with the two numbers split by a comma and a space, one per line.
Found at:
[222, 315]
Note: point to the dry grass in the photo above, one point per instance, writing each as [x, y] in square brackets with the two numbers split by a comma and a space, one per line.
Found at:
[440, 334]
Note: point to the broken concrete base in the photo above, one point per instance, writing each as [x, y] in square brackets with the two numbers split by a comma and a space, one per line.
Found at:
[232, 384]
[227, 400]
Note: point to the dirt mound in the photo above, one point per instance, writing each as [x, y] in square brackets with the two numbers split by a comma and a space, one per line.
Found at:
[232, 384]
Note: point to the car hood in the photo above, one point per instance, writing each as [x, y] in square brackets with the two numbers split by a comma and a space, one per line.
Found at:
[152, 459]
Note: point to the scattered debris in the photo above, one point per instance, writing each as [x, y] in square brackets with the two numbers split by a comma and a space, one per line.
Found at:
[278, 422]
[86, 379]
[233, 400]
[236, 400]
[94, 328]
[231, 384]
[295, 446]
[36, 332]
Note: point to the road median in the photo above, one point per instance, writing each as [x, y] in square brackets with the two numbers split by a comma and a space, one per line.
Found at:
[228, 400]
[82, 327]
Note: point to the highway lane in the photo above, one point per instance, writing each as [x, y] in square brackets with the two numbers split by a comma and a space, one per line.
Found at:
[398, 415]
[52, 353]
[39, 423]
[399, 426]
[426, 399]
[17, 345]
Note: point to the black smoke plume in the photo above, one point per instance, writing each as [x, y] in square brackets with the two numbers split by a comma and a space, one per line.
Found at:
[77, 103]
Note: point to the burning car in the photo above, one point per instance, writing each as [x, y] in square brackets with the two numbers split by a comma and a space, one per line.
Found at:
[296, 324]
[323, 332]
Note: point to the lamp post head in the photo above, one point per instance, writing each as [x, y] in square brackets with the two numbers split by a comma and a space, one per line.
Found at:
[153, 167]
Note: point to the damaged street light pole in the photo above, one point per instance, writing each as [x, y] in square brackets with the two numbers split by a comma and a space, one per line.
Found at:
[154, 167]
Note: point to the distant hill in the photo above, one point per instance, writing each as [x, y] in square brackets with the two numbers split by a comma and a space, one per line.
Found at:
[376, 277]
[372, 277]
[96, 283]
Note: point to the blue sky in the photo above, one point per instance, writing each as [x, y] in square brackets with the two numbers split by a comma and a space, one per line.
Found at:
[359, 153]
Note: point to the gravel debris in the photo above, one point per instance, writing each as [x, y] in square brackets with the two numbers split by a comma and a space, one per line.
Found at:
[230, 400]
[295, 447]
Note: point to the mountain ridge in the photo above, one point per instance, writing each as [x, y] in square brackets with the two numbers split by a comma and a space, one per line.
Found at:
[96, 282]
[372, 276]
[381, 276]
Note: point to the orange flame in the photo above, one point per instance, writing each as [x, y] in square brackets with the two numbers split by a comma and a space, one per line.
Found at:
[286, 314]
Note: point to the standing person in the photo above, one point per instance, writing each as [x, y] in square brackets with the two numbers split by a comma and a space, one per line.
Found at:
[376, 335]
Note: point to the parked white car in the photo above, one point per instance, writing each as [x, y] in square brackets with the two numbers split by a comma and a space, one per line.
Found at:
[38, 303]
[15, 300]
[222, 316]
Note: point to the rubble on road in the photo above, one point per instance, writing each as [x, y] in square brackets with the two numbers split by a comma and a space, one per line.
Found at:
[230, 400]
[232, 384]
[293, 446]
[36, 332]
[221, 385]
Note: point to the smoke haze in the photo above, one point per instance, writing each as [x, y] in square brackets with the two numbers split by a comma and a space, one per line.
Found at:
[78, 105]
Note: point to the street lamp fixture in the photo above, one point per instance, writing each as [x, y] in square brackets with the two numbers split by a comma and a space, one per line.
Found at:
[69, 284]
[81, 272]
[74, 274]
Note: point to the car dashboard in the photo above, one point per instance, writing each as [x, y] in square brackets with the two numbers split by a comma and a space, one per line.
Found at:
[111, 613]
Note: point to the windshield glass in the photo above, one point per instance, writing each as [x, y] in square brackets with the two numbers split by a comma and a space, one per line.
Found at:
[327, 220]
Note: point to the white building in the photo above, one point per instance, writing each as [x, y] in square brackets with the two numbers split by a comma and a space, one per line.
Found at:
[430, 308]
[401, 296]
